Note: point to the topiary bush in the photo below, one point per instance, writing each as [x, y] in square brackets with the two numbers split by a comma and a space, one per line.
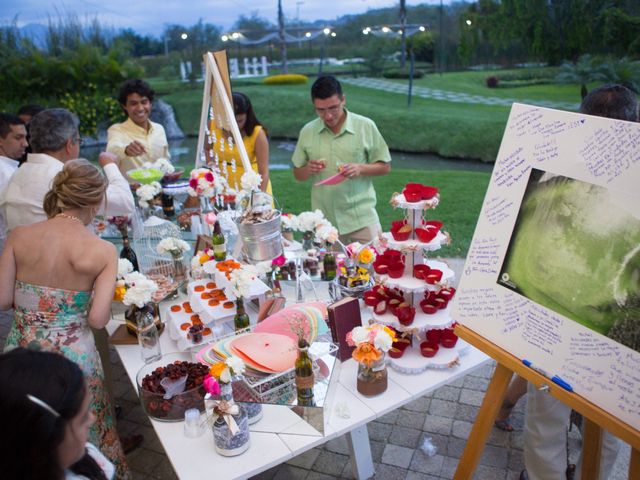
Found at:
[492, 81]
[402, 73]
[286, 79]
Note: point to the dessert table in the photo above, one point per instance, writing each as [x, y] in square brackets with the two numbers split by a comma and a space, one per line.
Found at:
[281, 434]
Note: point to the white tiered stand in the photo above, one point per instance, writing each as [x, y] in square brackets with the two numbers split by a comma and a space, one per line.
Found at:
[413, 362]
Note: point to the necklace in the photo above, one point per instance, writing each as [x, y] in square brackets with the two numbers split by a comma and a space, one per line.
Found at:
[70, 217]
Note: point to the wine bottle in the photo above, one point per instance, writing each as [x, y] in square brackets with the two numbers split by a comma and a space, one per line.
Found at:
[329, 266]
[219, 243]
[128, 253]
[167, 205]
[304, 375]
[241, 319]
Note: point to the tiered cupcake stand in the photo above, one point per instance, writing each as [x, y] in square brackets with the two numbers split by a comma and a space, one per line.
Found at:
[412, 361]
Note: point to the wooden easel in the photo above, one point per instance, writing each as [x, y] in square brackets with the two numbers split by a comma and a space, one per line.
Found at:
[595, 419]
[217, 95]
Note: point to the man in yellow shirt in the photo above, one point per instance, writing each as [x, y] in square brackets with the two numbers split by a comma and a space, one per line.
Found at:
[136, 140]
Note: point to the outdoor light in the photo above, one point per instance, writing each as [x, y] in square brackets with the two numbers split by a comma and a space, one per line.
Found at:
[468, 22]
[327, 31]
[365, 31]
[184, 36]
[224, 38]
[235, 35]
[333, 34]
[422, 29]
[308, 34]
[400, 32]
[386, 29]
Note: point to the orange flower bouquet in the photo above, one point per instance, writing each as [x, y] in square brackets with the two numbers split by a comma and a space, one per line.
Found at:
[371, 342]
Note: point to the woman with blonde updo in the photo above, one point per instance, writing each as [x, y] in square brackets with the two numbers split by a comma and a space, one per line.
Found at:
[59, 278]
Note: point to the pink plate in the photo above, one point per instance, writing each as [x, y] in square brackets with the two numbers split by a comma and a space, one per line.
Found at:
[336, 179]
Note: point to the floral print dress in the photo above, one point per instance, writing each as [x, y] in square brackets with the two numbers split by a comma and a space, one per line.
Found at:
[55, 320]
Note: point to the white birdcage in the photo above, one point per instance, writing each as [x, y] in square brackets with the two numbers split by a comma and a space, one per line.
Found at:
[145, 243]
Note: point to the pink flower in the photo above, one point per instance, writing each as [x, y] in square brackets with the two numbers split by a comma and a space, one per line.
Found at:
[193, 183]
[210, 218]
[350, 341]
[278, 261]
[211, 385]
[208, 177]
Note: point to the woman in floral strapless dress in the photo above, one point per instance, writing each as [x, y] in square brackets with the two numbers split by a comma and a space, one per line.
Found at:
[59, 278]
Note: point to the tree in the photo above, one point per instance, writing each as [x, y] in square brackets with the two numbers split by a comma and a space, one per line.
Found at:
[583, 71]
[622, 71]
[254, 25]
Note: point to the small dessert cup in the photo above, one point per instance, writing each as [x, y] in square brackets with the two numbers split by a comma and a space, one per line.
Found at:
[420, 271]
[405, 315]
[396, 270]
[433, 276]
[427, 307]
[429, 349]
[428, 192]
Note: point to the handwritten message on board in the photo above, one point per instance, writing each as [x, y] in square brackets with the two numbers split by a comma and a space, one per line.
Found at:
[558, 153]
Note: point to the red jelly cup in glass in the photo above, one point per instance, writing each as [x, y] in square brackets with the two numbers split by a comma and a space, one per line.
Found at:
[380, 268]
[420, 271]
[392, 255]
[433, 276]
[370, 299]
[396, 270]
[428, 192]
[434, 336]
[429, 349]
[428, 307]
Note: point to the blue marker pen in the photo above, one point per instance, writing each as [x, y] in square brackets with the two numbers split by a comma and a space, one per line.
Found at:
[554, 378]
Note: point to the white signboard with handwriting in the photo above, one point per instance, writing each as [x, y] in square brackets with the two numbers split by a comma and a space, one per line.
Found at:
[553, 271]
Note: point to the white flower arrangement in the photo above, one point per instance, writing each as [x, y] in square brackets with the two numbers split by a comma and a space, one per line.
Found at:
[173, 246]
[140, 289]
[147, 192]
[379, 336]
[309, 221]
[201, 183]
[241, 279]
[326, 232]
[288, 222]
[124, 267]
[250, 180]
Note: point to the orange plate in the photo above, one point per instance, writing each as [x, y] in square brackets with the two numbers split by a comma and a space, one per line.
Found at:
[186, 305]
[199, 288]
[227, 304]
[206, 331]
[176, 308]
[195, 318]
[211, 285]
[205, 296]
[185, 326]
[214, 303]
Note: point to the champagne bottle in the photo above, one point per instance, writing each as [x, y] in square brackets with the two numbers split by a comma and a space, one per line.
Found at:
[128, 253]
[241, 320]
[304, 375]
[329, 265]
[219, 243]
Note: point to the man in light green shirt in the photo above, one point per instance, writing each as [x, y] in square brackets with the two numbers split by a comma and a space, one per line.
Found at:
[340, 141]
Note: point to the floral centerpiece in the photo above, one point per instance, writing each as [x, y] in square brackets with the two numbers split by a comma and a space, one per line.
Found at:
[229, 421]
[175, 247]
[122, 223]
[198, 260]
[201, 183]
[371, 344]
[135, 291]
[288, 225]
[146, 193]
[356, 270]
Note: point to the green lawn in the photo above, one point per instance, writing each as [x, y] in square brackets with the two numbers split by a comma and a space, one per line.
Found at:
[449, 129]
[461, 197]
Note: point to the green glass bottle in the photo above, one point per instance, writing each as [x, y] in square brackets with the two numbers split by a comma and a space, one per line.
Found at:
[329, 266]
[304, 375]
[219, 243]
[241, 320]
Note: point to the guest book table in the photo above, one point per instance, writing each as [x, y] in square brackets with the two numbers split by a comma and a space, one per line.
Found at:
[281, 434]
